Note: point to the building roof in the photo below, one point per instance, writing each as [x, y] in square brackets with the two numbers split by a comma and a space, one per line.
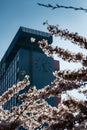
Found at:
[22, 40]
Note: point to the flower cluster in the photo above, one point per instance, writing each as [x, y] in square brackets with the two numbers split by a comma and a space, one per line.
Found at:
[69, 114]
[9, 120]
[34, 111]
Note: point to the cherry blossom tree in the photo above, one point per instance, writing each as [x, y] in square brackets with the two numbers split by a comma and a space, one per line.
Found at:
[34, 112]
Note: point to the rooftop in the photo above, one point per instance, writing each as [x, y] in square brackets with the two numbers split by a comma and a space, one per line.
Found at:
[22, 40]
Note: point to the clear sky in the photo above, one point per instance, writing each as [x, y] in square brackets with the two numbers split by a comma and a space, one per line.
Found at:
[16, 13]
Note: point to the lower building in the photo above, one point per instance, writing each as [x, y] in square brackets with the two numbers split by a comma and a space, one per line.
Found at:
[25, 57]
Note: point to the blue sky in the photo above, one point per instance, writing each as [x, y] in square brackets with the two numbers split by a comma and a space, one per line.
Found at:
[16, 13]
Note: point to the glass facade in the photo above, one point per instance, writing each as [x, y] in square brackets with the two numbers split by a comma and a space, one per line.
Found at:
[10, 77]
[22, 56]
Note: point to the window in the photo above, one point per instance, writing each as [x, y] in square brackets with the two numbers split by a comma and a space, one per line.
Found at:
[17, 75]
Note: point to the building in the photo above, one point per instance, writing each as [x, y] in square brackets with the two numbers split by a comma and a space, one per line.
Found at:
[23, 56]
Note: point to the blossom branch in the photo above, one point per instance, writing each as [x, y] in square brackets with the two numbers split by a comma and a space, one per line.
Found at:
[13, 90]
[73, 37]
[80, 75]
[64, 54]
[57, 6]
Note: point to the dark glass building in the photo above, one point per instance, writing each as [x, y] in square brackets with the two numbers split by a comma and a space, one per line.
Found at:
[25, 56]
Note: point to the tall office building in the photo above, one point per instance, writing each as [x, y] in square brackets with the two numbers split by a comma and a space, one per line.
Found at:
[23, 56]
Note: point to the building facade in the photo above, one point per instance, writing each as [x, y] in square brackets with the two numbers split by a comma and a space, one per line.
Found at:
[23, 56]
